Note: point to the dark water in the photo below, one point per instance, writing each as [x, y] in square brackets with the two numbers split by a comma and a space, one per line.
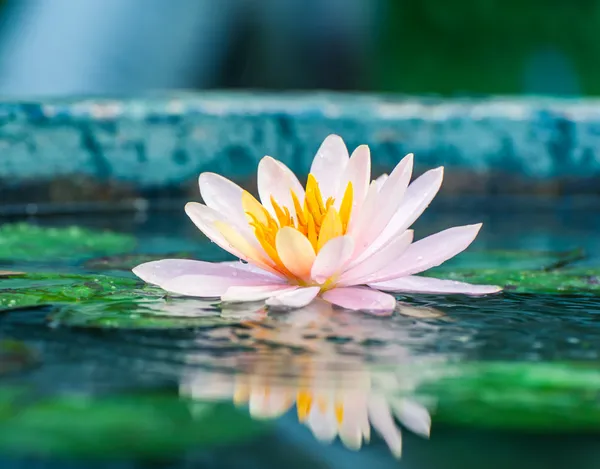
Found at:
[506, 381]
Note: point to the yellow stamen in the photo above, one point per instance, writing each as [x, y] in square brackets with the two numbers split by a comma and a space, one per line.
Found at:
[346, 206]
[311, 233]
[314, 199]
[302, 222]
[331, 227]
[315, 218]
[254, 207]
[283, 214]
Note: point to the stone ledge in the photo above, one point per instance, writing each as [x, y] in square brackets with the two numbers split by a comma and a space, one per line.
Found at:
[161, 142]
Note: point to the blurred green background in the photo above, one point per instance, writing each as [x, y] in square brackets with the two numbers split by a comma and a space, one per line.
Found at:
[463, 47]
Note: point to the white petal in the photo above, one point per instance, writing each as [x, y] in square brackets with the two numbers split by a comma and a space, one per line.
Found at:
[329, 165]
[413, 416]
[159, 272]
[244, 293]
[361, 298]
[430, 252]
[382, 420]
[294, 299]
[223, 196]
[209, 286]
[331, 258]
[277, 180]
[417, 198]
[370, 224]
[415, 284]
[387, 255]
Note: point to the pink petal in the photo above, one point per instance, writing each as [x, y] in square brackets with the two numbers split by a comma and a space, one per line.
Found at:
[294, 299]
[370, 224]
[329, 164]
[357, 226]
[204, 218]
[223, 196]
[387, 255]
[253, 269]
[219, 230]
[331, 258]
[417, 198]
[415, 284]
[430, 252]
[380, 180]
[277, 180]
[159, 272]
[361, 298]
[254, 293]
[209, 286]
[295, 251]
[358, 172]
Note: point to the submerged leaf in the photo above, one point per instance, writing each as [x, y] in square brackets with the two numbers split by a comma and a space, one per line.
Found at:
[518, 395]
[31, 243]
[15, 356]
[136, 425]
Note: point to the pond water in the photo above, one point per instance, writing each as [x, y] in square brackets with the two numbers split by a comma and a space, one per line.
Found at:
[98, 371]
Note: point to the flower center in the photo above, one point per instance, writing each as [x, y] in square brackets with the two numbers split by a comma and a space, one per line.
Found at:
[317, 219]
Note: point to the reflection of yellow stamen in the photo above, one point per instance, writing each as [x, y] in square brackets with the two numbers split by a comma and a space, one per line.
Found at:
[241, 394]
[339, 413]
[303, 405]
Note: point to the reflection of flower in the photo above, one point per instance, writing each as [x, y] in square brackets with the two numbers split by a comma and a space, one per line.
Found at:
[343, 238]
[327, 406]
[338, 387]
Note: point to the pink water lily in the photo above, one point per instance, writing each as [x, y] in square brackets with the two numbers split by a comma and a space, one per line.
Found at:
[344, 238]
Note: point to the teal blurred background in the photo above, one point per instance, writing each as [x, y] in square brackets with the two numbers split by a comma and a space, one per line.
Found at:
[464, 47]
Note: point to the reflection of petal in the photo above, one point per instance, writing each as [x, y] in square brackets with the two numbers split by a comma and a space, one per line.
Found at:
[413, 416]
[380, 416]
[420, 312]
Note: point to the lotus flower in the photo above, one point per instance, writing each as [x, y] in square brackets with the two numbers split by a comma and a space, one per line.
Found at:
[344, 237]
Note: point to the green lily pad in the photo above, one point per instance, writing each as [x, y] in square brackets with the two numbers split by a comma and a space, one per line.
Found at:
[518, 395]
[15, 356]
[84, 300]
[134, 425]
[513, 260]
[47, 288]
[575, 281]
[22, 242]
